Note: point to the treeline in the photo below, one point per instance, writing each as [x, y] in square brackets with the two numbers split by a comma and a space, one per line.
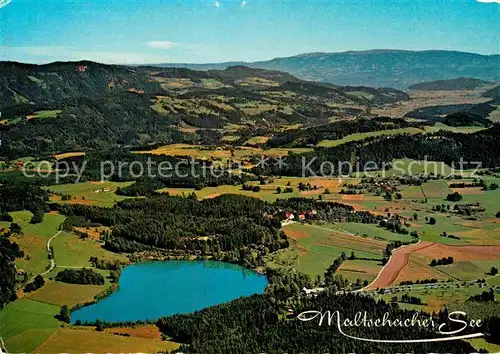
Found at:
[9, 251]
[442, 261]
[255, 324]
[83, 276]
[422, 281]
[484, 296]
[87, 124]
[376, 153]
[391, 247]
[466, 119]
[16, 194]
[37, 283]
[322, 210]
[408, 299]
[193, 179]
[233, 228]
[148, 172]
[19, 194]
[475, 111]
[338, 130]
[225, 223]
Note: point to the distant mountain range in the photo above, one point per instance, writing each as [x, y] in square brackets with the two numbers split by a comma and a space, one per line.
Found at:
[380, 68]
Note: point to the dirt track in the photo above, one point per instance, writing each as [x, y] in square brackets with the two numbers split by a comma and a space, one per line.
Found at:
[398, 261]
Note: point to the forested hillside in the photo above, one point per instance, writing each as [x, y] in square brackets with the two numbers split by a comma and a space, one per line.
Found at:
[87, 106]
[338, 130]
[451, 148]
[226, 227]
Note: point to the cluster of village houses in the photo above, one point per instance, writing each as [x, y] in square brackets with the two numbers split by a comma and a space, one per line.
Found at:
[301, 217]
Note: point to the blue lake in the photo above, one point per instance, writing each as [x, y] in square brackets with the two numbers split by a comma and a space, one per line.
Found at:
[155, 289]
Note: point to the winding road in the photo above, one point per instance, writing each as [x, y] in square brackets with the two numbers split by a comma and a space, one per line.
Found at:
[49, 251]
[2, 347]
[51, 257]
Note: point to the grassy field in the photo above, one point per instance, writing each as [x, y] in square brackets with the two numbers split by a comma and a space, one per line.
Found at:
[25, 324]
[29, 326]
[316, 247]
[353, 270]
[436, 189]
[45, 114]
[487, 235]
[372, 231]
[413, 193]
[453, 295]
[267, 191]
[72, 251]
[415, 167]
[268, 194]
[238, 153]
[361, 136]
[432, 233]
[88, 341]
[489, 200]
[257, 140]
[90, 193]
[481, 343]
[20, 217]
[405, 166]
[421, 99]
[470, 270]
[465, 130]
[470, 262]
[59, 293]
[34, 239]
[230, 138]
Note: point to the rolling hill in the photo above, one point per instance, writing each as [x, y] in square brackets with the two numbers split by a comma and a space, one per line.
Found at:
[379, 68]
[73, 106]
[462, 83]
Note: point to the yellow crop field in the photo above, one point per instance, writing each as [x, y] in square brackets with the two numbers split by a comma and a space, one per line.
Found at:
[66, 155]
[67, 340]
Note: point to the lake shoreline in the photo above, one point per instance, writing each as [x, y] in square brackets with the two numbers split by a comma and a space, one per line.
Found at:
[202, 265]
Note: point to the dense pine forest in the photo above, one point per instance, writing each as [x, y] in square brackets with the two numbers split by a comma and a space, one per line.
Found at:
[235, 225]
[257, 322]
[8, 253]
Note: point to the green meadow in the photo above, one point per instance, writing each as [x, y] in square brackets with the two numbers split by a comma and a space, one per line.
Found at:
[26, 324]
[361, 136]
[72, 251]
[33, 240]
[316, 247]
[90, 193]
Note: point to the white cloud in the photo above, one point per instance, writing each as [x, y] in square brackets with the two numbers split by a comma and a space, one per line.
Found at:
[489, 1]
[47, 54]
[161, 44]
[216, 3]
[4, 3]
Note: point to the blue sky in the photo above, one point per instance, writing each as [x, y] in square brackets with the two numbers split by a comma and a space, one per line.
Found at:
[199, 31]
